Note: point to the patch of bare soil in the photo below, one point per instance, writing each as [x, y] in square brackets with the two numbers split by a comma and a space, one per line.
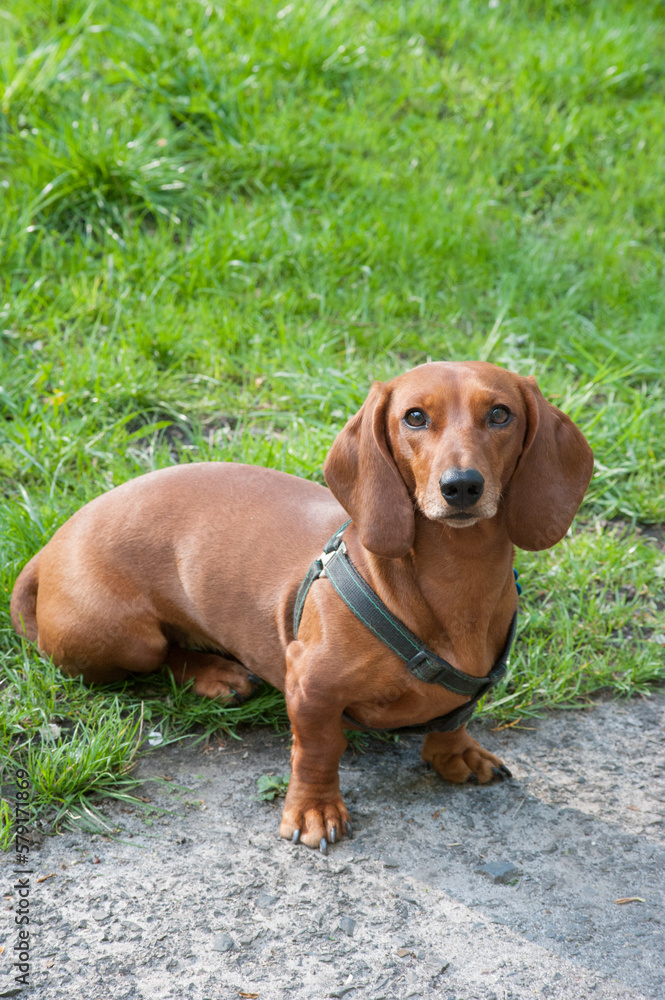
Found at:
[462, 893]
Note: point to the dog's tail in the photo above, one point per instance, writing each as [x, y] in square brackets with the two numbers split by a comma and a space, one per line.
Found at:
[23, 606]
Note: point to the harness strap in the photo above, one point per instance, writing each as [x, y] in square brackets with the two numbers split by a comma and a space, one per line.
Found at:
[335, 564]
[313, 573]
[458, 717]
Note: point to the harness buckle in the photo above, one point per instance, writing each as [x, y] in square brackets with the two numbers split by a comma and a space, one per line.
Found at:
[325, 557]
[415, 661]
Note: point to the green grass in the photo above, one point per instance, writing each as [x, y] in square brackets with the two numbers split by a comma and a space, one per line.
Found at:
[220, 224]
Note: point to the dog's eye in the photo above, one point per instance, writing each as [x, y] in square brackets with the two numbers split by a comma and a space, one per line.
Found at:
[415, 418]
[499, 415]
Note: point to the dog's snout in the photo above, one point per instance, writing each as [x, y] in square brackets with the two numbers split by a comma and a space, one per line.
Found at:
[462, 487]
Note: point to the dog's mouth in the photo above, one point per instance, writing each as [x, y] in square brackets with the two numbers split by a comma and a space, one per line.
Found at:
[462, 519]
[435, 510]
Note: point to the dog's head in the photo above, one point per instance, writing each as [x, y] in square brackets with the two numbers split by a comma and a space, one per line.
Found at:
[456, 442]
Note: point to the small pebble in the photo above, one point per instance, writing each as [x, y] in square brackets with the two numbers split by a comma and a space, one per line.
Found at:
[222, 942]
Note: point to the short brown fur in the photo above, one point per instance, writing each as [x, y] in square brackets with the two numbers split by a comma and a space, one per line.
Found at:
[197, 567]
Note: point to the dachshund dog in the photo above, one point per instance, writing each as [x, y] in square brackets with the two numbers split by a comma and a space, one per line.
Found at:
[197, 567]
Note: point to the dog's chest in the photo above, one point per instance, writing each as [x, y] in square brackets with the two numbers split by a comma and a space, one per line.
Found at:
[409, 703]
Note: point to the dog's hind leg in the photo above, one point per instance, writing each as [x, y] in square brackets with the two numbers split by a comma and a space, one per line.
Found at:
[214, 676]
[106, 637]
[100, 651]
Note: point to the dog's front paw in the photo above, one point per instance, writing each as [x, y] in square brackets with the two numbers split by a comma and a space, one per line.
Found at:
[459, 758]
[314, 823]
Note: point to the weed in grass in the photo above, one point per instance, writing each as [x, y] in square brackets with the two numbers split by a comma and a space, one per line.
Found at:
[272, 786]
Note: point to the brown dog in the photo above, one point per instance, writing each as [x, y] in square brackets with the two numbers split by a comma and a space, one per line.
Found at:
[442, 470]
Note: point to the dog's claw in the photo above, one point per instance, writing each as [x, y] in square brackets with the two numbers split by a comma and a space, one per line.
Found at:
[323, 845]
[349, 829]
[504, 770]
[255, 679]
[472, 779]
[333, 835]
[498, 773]
[296, 837]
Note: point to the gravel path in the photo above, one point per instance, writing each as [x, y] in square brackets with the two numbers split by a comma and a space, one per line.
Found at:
[491, 893]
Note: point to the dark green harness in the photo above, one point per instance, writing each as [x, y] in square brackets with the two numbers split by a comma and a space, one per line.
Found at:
[421, 661]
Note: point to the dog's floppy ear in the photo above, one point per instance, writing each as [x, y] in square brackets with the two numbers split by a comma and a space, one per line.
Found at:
[362, 475]
[551, 476]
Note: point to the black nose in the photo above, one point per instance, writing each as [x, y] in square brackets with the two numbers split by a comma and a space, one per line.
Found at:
[462, 487]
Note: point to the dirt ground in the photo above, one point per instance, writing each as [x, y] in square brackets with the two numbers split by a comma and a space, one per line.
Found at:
[205, 900]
